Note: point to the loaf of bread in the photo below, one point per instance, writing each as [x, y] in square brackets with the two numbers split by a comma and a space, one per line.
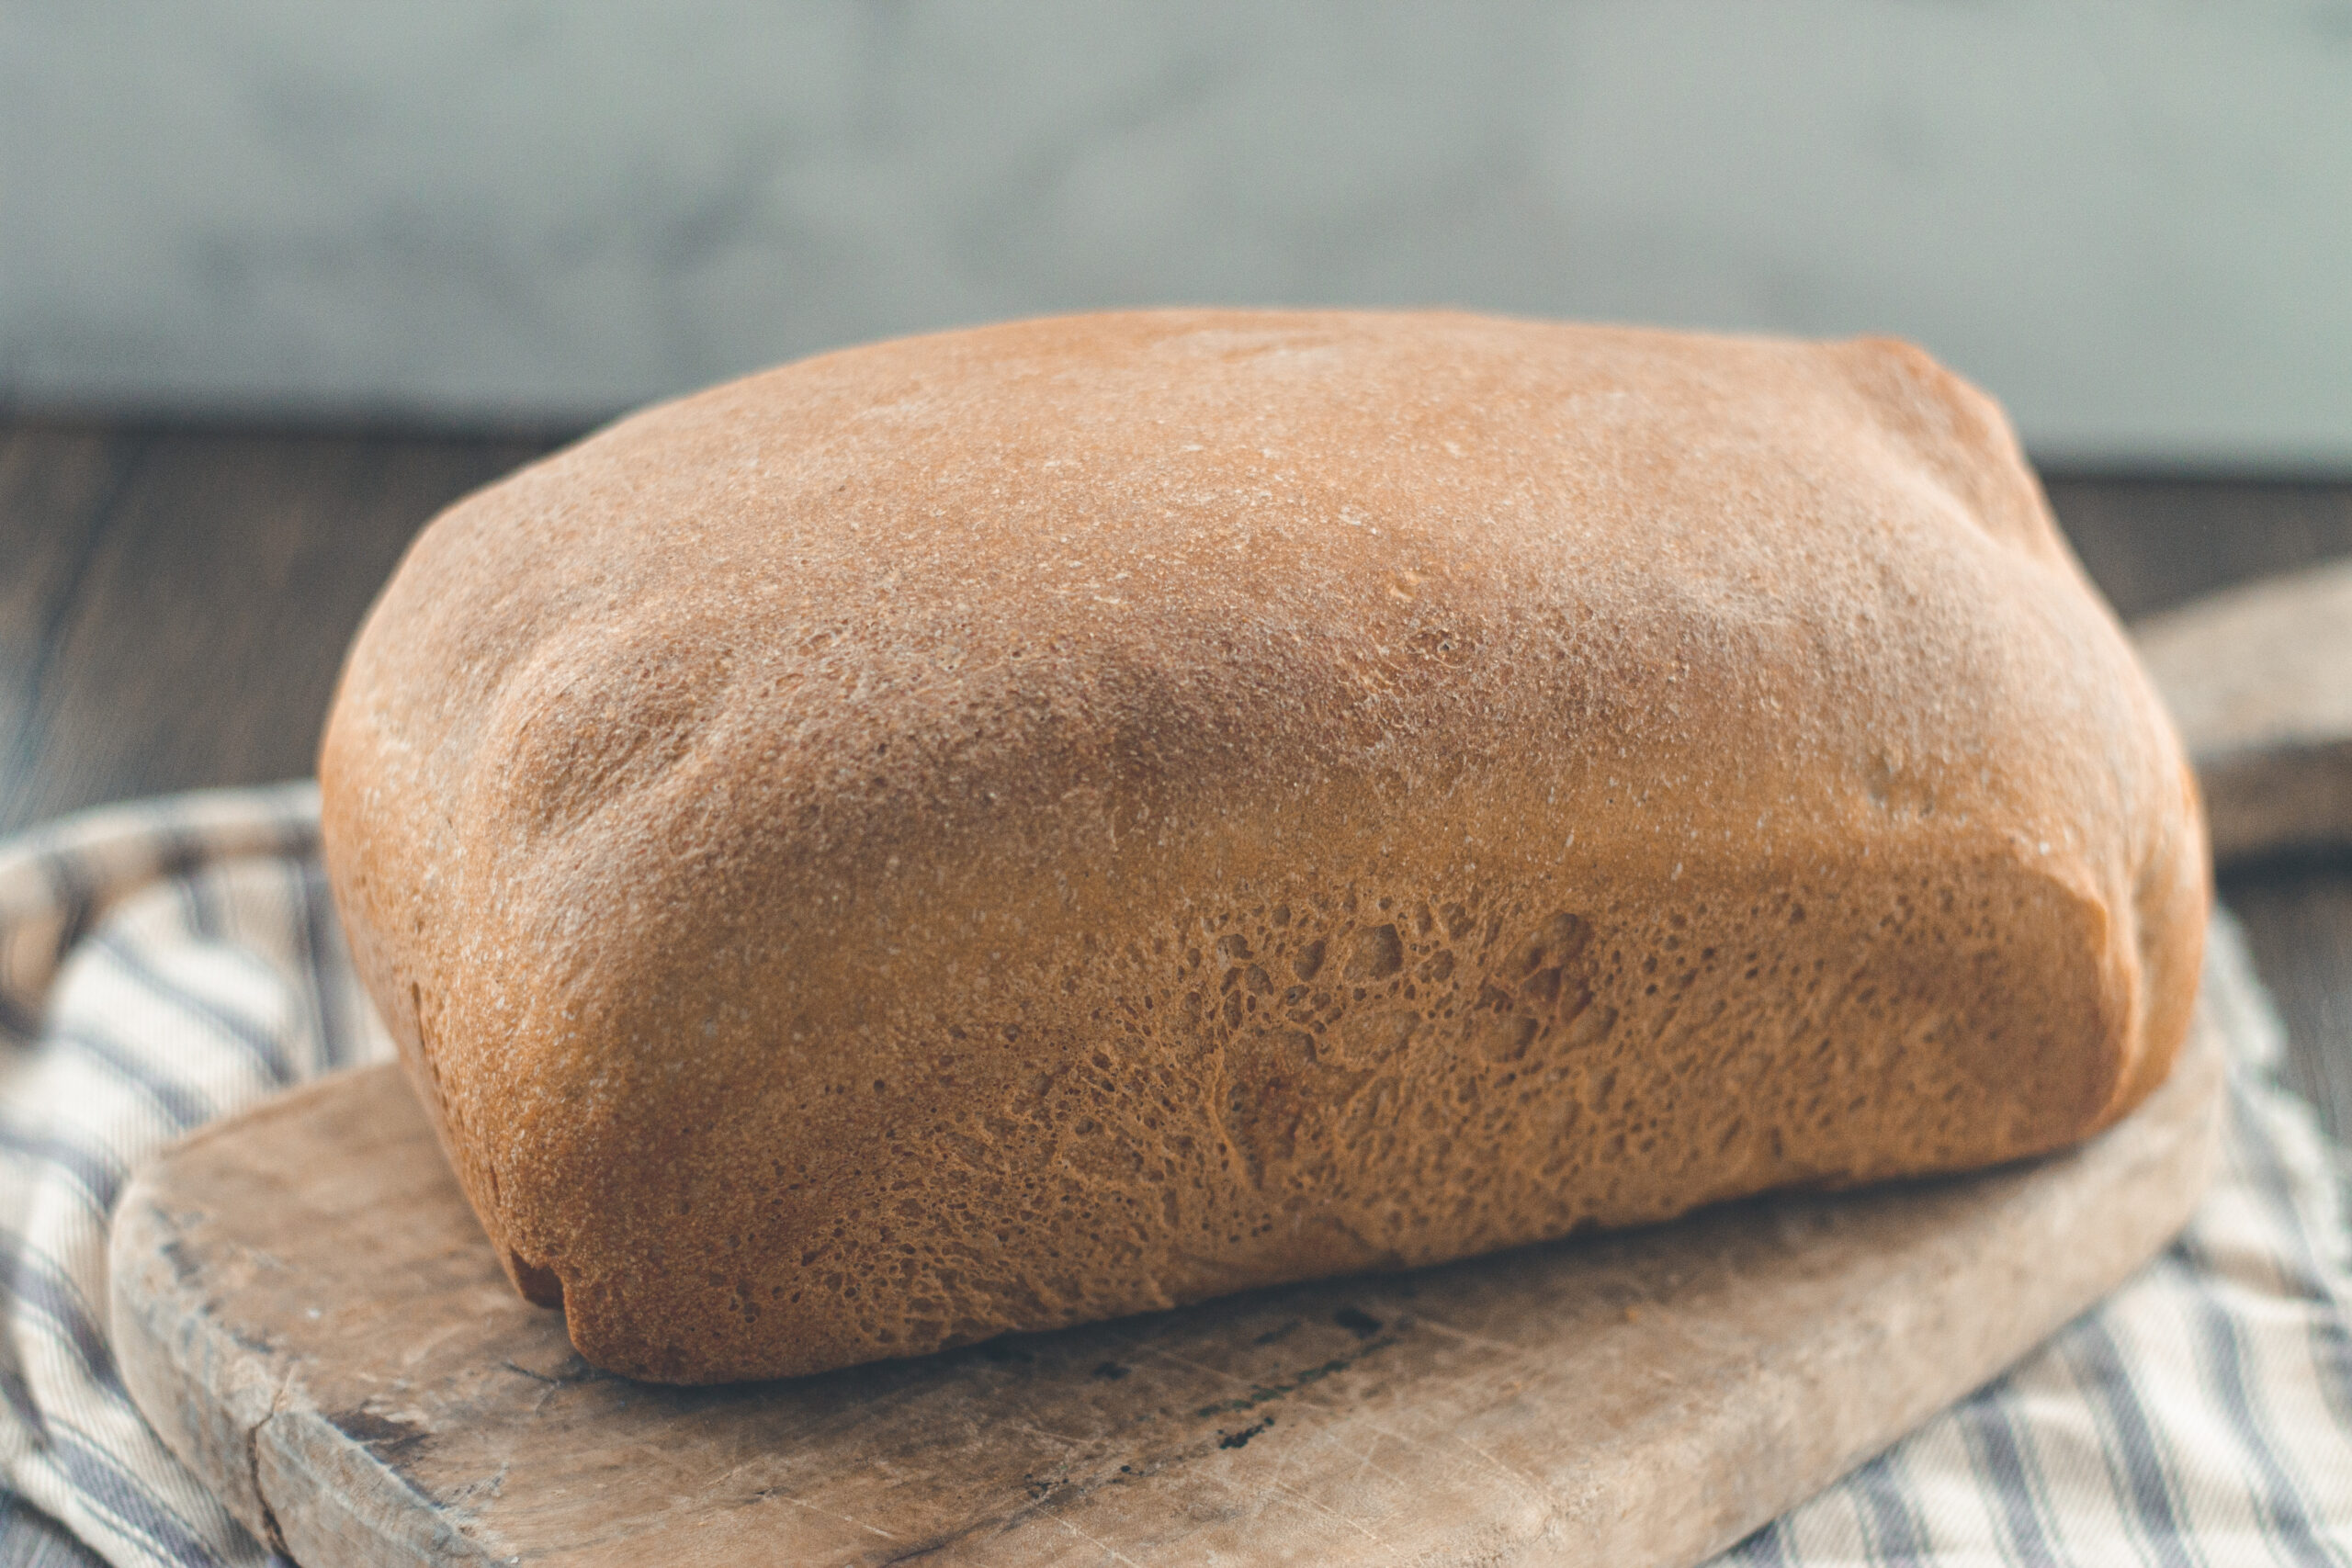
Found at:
[1015, 826]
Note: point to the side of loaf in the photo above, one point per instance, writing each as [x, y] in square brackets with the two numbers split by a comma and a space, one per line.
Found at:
[1022, 826]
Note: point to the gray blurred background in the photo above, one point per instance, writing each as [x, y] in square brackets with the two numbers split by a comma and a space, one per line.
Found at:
[2132, 222]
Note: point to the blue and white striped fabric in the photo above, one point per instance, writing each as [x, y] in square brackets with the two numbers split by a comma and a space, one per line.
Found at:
[165, 964]
[162, 965]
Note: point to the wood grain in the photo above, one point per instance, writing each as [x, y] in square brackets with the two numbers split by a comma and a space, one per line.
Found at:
[191, 596]
[1638, 1401]
[2155, 542]
[56, 490]
[2259, 679]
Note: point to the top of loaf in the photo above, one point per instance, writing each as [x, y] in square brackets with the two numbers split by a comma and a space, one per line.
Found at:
[915, 587]
[794, 718]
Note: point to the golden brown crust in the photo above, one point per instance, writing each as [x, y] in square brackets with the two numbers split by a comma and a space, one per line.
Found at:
[997, 830]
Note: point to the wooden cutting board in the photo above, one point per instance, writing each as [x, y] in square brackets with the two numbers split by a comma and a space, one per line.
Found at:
[305, 1308]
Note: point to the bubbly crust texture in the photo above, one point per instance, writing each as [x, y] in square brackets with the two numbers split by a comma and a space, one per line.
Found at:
[997, 830]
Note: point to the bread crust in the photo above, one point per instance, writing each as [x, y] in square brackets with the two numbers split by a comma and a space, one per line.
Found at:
[1020, 826]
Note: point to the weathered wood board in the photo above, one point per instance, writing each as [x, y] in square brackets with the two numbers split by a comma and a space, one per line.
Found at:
[306, 1309]
[2259, 679]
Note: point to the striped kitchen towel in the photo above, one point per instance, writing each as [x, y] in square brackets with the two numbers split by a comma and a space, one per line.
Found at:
[168, 963]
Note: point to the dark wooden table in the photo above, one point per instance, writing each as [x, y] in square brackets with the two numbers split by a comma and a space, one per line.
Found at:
[175, 600]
